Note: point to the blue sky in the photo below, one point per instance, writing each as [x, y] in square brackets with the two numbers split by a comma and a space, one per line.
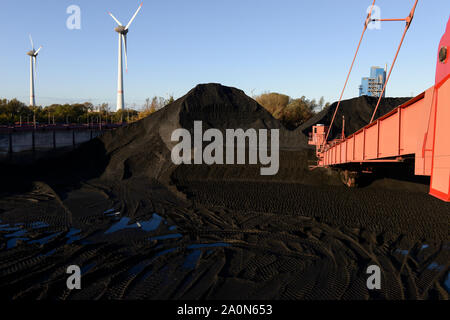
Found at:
[289, 46]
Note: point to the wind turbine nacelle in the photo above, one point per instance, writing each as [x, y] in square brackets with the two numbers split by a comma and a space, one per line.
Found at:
[32, 53]
[121, 30]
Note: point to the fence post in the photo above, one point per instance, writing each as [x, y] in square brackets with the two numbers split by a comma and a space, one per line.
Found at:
[54, 139]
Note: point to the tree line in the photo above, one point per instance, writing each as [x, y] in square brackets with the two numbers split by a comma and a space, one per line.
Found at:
[292, 112]
[16, 112]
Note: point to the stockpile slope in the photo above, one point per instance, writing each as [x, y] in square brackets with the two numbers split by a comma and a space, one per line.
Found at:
[144, 148]
[357, 112]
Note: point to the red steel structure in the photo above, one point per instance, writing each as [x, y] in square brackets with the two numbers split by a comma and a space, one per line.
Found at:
[419, 130]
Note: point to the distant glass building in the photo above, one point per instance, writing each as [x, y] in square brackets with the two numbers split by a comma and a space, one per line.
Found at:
[373, 86]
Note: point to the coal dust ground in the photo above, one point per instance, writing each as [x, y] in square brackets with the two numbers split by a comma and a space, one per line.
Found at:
[140, 227]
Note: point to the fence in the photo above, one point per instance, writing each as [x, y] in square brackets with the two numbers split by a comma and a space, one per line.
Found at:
[28, 139]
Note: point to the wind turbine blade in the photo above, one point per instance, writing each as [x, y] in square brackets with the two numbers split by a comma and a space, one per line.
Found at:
[115, 19]
[124, 37]
[38, 50]
[137, 11]
[31, 40]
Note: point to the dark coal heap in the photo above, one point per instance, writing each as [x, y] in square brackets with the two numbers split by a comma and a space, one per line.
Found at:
[357, 112]
[222, 108]
[143, 149]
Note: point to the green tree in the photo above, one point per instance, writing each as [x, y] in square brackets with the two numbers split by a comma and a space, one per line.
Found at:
[273, 102]
[292, 112]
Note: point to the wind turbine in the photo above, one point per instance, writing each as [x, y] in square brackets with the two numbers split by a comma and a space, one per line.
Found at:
[122, 31]
[33, 59]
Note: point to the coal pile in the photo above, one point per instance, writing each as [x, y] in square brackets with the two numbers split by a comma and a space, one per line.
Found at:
[143, 149]
[357, 113]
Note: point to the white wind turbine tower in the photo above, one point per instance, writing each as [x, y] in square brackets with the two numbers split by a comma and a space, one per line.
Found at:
[33, 58]
[122, 31]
